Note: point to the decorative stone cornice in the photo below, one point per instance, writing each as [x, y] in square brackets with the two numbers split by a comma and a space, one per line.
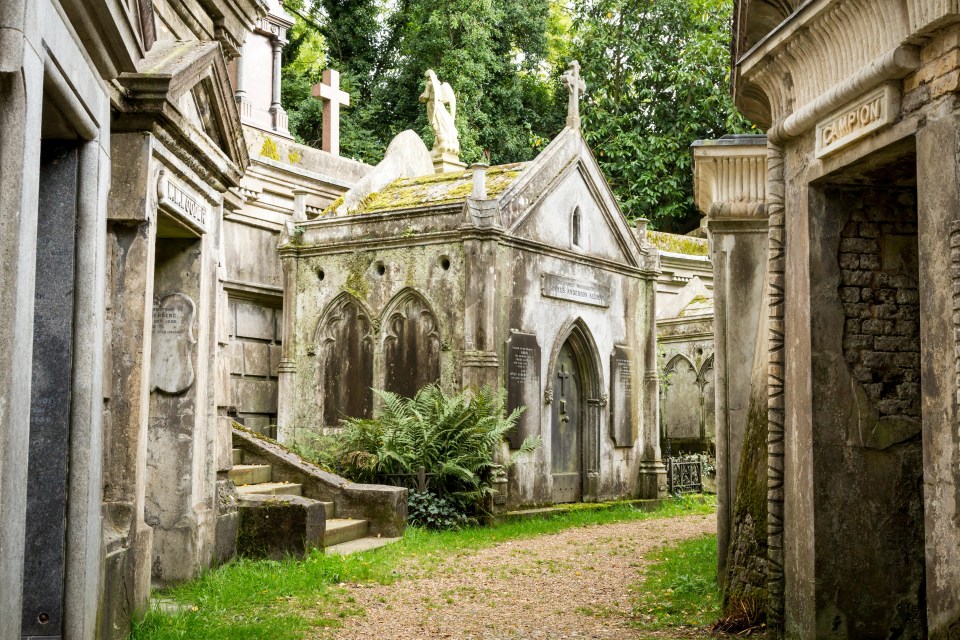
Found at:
[730, 177]
[825, 54]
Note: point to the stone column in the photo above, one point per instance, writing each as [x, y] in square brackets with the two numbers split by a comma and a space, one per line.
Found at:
[276, 110]
[939, 238]
[287, 369]
[730, 189]
[653, 475]
[21, 97]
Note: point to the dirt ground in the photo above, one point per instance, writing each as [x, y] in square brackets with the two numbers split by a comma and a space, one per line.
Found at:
[572, 584]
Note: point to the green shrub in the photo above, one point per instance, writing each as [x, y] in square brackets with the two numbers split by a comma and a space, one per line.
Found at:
[453, 437]
[430, 511]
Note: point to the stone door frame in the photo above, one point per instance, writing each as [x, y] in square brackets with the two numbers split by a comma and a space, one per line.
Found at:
[52, 69]
[578, 334]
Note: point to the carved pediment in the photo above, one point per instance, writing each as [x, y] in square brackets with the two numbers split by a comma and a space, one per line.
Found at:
[563, 200]
[184, 89]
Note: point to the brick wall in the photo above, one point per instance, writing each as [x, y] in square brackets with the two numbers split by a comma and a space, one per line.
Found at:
[878, 288]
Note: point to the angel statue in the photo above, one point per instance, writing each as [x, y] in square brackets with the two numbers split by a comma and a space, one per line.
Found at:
[439, 96]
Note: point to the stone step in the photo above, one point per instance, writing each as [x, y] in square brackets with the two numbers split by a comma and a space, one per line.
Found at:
[360, 544]
[340, 530]
[243, 474]
[329, 510]
[237, 456]
[271, 488]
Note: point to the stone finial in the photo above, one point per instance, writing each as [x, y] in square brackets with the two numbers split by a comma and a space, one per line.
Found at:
[300, 205]
[575, 87]
[331, 95]
[442, 114]
[479, 181]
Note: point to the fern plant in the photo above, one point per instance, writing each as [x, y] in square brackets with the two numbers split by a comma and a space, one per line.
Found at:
[453, 437]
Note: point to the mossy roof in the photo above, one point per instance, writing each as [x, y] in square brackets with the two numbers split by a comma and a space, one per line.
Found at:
[433, 190]
[674, 243]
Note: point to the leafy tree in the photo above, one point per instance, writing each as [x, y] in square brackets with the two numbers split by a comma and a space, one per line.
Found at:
[495, 53]
[657, 74]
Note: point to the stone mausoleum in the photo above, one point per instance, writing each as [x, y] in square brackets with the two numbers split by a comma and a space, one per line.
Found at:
[848, 417]
[526, 276]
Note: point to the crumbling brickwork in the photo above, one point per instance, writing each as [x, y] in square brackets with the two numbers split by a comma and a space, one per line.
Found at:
[878, 289]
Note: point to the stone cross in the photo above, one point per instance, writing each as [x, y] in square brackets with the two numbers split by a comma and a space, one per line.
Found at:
[329, 91]
[563, 375]
[575, 87]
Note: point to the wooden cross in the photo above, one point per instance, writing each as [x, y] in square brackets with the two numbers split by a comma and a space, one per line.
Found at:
[563, 375]
[331, 95]
[575, 87]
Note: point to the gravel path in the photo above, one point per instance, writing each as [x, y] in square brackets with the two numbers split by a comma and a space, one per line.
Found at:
[572, 584]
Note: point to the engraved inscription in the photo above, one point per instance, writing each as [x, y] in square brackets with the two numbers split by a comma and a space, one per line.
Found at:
[523, 384]
[621, 398]
[171, 359]
[563, 288]
[176, 199]
[856, 120]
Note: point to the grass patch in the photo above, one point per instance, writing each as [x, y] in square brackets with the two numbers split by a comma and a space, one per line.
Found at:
[281, 600]
[680, 588]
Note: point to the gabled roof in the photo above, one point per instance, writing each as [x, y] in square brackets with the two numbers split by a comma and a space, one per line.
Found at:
[184, 88]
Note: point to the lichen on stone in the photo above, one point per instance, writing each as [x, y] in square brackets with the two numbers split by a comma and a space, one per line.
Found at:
[269, 149]
[356, 284]
[674, 243]
[434, 189]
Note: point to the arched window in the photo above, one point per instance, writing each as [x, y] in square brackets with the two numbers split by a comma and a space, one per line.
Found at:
[575, 227]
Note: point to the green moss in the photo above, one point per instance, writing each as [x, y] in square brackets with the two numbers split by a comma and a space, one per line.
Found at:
[434, 189]
[679, 244]
[357, 284]
[332, 207]
[269, 149]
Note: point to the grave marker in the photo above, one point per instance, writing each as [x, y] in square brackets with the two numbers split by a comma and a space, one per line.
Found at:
[621, 398]
[171, 359]
[523, 384]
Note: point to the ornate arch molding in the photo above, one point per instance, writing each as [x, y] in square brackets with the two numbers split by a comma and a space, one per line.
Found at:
[708, 365]
[581, 340]
[410, 343]
[344, 341]
[588, 355]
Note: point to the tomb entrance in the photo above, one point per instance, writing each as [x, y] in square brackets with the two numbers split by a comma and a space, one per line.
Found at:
[866, 398]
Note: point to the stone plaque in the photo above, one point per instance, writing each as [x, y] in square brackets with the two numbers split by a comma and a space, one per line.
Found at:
[622, 398]
[857, 120]
[171, 360]
[564, 288]
[523, 385]
[174, 198]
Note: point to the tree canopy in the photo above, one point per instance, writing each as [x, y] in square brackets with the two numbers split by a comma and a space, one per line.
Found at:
[657, 74]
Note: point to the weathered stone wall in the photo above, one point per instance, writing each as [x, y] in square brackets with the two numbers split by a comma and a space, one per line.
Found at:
[867, 456]
[881, 334]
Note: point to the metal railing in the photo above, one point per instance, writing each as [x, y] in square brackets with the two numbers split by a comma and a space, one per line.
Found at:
[684, 475]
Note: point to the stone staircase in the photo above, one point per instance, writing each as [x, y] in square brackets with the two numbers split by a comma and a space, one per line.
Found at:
[267, 476]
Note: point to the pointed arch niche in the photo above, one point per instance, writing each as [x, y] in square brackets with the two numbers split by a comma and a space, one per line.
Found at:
[681, 400]
[411, 344]
[345, 346]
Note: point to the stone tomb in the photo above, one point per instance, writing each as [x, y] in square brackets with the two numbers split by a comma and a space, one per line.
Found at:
[861, 451]
[525, 276]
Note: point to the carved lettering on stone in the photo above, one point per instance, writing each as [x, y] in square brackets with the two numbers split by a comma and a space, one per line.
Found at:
[171, 358]
[622, 398]
[523, 384]
[564, 288]
[857, 120]
[411, 347]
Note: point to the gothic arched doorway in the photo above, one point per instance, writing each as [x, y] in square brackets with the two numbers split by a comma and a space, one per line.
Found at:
[575, 419]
